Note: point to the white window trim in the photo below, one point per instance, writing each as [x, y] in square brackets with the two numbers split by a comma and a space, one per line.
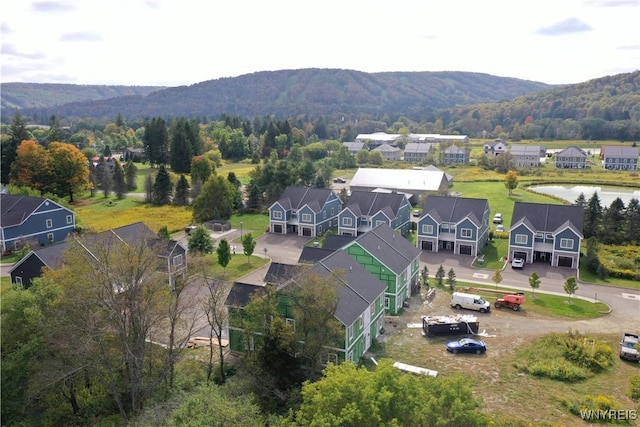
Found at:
[566, 243]
[522, 239]
[50, 238]
[306, 217]
[290, 322]
[427, 229]
[378, 222]
[18, 280]
[49, 223]
[277, 214]
[350, 332]
[465, 231]
[386, 303]
[69, 219]
[347, 221]
[177, 260]
[332, 358]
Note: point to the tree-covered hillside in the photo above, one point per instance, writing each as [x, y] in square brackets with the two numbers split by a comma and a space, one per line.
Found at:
[314, 92]
[43, 95]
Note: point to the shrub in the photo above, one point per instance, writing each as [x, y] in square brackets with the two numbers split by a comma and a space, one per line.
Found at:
[593, 403]
[634, 387]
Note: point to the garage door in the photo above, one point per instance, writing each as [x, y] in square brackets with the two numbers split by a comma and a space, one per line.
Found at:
[465, 250]
[565, 261]
[306, 231]
[427, 246]
[277, 228]
[522, 255]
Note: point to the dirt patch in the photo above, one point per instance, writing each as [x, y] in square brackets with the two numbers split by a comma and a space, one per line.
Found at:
[501, 387]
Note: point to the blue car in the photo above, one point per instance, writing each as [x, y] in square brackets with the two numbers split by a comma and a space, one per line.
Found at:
[466, 345]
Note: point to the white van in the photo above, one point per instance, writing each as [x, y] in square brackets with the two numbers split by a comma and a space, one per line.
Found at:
[472, 302]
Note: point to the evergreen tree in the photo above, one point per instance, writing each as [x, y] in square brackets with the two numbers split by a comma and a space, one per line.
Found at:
[55, 133]
[254, 200]
[451, 279]
[163, 233]
[181, 152]
[148, 189]
[632, 226]
[181, 197]
[614, 219]
[593, 262]
[440, 274]
[162, 188]
[156, 141]
[581, 201]
[17, 133]
[119, 184]
[215, 201]
[223, 252]
[592, 217]
[424, 278]
[131, 173]
[107, 151]
[106, 177]
[200, 241]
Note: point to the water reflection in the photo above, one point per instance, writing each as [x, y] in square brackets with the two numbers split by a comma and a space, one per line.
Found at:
[607, 194]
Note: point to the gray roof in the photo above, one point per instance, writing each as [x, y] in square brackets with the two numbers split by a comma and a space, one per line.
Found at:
[620, 151]
[369, 203]
[389, 247]
[297, 197]
[548, 218]
[15, 209]
[418, 147]
[526, 150]
[240, 294]
[572, 152]
[359, 287]
[455, 209]
[336, 241]
[386, 148]
[51, 256]
[454, 149]
[280, 274]
[310, 255]
[354, 145]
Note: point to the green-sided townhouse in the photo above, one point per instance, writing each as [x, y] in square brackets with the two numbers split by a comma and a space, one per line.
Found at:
[360, 308]
[392, 259]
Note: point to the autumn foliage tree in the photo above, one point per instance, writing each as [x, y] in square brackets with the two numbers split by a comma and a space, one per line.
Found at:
[511, 181]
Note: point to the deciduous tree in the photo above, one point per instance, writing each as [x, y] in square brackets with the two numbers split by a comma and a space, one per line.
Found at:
[215, 201]
[223, 253]
[570, 286]
[497, 277]
[534, 282]
[248, 245]
[511, 181]
[200, 241]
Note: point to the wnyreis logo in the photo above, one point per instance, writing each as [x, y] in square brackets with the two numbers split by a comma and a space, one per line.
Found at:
[609, 414]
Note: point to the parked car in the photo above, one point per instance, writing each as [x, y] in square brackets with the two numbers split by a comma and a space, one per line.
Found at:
[466, 345]
[517, 263]
[500, 227]
[416, 212]
[340, 180]
[497, 218]
[629, 347]
[469, 301]
[190, 228]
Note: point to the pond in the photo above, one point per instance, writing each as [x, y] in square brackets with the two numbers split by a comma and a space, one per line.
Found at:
[607, 194]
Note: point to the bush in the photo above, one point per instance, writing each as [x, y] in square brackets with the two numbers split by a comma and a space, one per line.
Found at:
[634, 387]
[593, 403]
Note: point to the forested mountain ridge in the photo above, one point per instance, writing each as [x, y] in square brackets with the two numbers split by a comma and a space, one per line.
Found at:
[43, 95]
[604, 108]
[314, 92]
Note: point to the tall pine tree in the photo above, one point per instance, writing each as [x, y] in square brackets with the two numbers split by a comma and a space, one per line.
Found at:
[17, 133]
[162, 188]
[181, 197]
[592, 217]
[156, 141]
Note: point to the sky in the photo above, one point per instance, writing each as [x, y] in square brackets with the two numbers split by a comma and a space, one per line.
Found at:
[174, 43]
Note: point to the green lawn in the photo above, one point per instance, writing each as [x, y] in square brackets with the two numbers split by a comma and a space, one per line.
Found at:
[238, 266]
[548, 305]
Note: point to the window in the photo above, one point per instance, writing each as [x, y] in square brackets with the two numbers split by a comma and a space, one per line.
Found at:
[69, 219]
[466, 232]
[177, 260]
[333, 212]
[332, 358]
[427, 229]
[324, 215]
[380, 223]
[566, 243]
[386, 303]
[549, 236]
[50, 238]
[18, 280]
[445, 227]
[277, 215]
[521, 239]
[372, 310]
[291, 323]
[539, 235]
[347, 222]
[306, 217]
[320, 229]
[350, 331]
[49, 223]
